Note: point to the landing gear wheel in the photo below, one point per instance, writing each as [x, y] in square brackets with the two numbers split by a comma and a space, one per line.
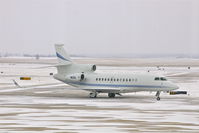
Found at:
[111, 95]
[93, 95]
[158, 98]
[158, 95]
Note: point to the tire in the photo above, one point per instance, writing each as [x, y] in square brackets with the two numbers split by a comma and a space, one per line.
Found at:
[158, 98]
[111, 95]
[93, 95]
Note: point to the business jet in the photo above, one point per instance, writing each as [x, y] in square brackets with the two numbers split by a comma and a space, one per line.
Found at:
[85, 77]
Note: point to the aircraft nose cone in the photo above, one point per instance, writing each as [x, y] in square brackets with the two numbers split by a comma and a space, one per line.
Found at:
[175, 87]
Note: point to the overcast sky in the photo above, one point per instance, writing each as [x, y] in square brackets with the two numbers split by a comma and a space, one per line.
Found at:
[100, 27]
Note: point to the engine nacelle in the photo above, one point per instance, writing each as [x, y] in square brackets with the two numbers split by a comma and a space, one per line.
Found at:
[93, 68]
[76, 77]
[87, 67]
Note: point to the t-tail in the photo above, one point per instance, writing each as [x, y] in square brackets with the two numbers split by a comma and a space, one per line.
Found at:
[63, 57]
[64, 62]
[67, 69]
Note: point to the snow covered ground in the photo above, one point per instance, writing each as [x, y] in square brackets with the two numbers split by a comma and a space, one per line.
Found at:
[56, 107]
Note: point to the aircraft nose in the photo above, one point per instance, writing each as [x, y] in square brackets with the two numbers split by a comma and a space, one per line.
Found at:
[175, 87]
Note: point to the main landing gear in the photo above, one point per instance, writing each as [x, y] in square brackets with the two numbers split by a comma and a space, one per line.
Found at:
[111, 95]
[93, 94]
[158, 95]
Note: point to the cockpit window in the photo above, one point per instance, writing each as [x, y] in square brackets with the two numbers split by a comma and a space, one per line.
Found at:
[160, 78]
[163, 79]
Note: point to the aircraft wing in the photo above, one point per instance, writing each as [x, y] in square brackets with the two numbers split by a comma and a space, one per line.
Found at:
[19, 87]
[86, 88]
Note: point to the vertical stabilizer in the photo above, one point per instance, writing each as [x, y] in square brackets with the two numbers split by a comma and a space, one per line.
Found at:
[62, 56]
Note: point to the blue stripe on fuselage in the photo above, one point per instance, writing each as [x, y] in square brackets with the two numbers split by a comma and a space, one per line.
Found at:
[117, 85]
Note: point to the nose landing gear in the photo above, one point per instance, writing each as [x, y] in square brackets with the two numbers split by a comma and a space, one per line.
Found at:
[158, 95]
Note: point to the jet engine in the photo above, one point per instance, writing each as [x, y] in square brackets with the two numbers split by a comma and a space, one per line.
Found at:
[85, 67]
[76, 77]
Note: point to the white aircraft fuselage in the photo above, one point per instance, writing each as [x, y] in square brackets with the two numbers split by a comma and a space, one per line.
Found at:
[87, 78]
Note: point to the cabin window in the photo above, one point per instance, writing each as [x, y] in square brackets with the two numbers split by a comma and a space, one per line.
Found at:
[157, 78]
[96, 79]
[105, 79]
[111, 79]
[99, 79]
[108, 79]
[123, 80]
[117, 80]
[129, 80]
[102, 79]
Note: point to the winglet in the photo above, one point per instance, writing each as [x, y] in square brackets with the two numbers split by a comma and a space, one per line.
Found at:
[16, 83]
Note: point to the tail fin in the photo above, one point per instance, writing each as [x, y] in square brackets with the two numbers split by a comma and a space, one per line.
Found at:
[62, 56]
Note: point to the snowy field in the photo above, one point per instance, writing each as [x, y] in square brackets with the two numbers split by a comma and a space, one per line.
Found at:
[47, 105]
